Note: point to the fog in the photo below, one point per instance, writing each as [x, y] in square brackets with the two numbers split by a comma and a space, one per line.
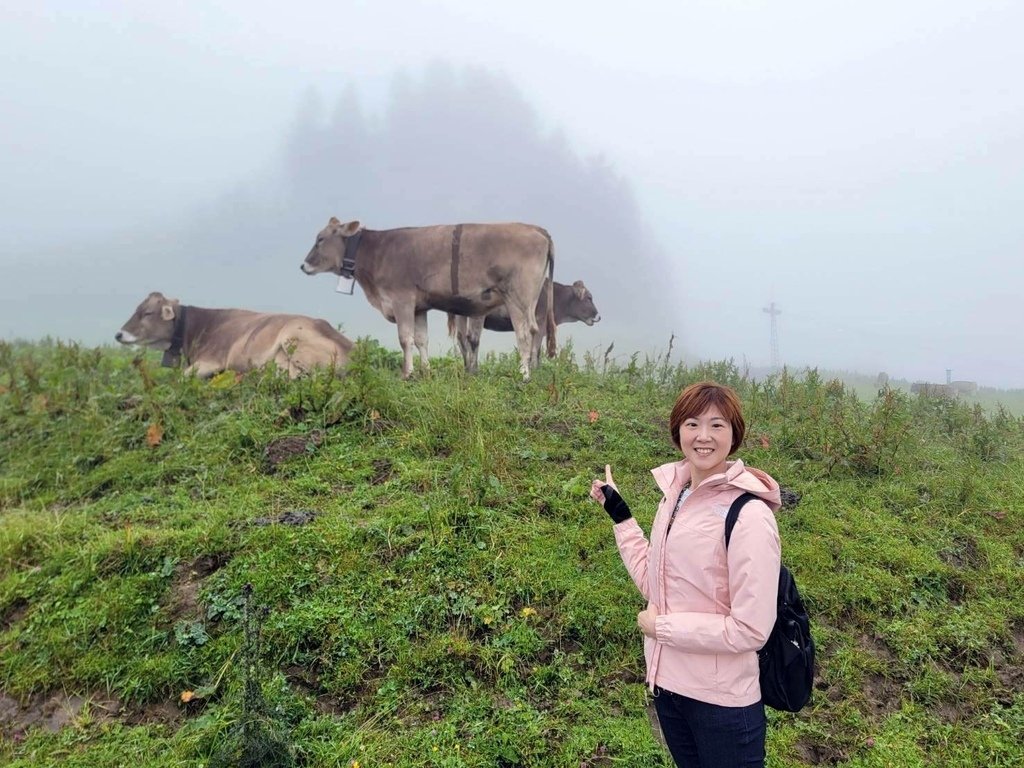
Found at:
[858, 164]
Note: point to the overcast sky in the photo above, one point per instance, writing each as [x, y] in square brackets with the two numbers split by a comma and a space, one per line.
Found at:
[857, 163]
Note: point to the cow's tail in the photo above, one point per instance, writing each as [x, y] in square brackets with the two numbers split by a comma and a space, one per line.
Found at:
[451, 325]
[552, 343]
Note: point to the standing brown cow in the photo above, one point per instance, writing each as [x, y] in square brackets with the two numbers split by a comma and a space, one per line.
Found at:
[215, 340]
[467, 269]
[573, 303]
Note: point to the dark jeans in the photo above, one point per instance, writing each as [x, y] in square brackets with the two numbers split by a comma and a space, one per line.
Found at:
[701, 735]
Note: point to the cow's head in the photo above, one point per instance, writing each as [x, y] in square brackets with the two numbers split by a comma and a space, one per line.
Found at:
[581, 304]
[329, 249]
[152, 325]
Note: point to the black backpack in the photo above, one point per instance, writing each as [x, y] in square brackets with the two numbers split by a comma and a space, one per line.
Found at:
[787, 659]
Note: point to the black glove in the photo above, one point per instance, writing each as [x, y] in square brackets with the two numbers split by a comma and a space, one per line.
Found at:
[615, 505]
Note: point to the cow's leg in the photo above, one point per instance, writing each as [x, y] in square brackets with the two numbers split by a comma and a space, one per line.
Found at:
[467, 333]
[525, 326]
[406, 322]
[474, 327]
[538, 342]
[459, 323]
[420, 337]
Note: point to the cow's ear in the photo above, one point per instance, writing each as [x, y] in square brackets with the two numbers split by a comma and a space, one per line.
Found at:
[351, 228]
[333, 222]
[167, 311]
[580, 289]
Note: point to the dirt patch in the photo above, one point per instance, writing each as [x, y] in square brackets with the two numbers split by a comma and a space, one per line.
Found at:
[302, 677]
[819, 754]
[957, 589]
[1018, 640]
[14, 614]
[327, 704]
[51, 712]
[882, 694]
[383, 469]
[947, 712]
[291, 517]
[790, 498]
[1010, 671]
[188, 578]
[963, 553]
[283, 448]
[160, 713]
[877, 647]
[424, 708]
[624, 675]
[599, 757]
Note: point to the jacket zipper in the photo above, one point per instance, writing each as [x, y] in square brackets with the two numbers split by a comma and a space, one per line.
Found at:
[675, 510]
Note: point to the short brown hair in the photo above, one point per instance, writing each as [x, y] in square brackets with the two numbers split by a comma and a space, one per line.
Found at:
[699, 397]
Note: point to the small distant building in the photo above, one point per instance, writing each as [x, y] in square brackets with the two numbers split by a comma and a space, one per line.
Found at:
[932, 390]
[964, 387]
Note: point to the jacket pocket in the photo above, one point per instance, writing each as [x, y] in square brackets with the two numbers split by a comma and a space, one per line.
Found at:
[739, 672]
[702, 669]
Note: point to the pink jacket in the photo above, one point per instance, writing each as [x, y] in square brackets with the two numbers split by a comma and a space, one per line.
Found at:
[715, 608]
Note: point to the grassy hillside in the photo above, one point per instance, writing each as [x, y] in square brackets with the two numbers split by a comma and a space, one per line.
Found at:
[431, 583]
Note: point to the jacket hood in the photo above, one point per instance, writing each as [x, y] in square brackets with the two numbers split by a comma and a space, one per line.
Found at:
[673, 476]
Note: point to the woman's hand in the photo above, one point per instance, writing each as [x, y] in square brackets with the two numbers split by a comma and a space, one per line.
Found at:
[645, 620]
[597, 487]
[606, 494]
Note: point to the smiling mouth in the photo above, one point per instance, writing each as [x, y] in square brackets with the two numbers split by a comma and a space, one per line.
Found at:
[704, 451]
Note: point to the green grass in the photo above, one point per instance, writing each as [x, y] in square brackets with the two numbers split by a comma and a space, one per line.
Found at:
[454, 598]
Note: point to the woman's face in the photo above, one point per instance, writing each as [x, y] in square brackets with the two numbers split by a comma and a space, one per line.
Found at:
[706, 441]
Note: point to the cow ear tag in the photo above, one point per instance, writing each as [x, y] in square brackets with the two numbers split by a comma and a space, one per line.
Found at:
[346, 285]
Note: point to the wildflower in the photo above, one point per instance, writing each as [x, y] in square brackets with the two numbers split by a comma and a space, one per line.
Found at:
[527, 612]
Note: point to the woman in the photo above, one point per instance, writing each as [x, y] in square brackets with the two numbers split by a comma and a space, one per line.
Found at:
[709, 610]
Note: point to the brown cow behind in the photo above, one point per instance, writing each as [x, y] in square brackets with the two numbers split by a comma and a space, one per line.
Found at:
[215, 340]
[573, 303]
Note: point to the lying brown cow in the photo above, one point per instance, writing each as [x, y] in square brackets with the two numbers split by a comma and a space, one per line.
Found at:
[215, 340]
[573, 303]
[468, 269]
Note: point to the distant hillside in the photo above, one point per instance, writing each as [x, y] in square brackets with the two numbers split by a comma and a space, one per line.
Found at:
[866, 386]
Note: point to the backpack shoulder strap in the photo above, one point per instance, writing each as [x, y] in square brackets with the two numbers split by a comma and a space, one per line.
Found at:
[734, 514]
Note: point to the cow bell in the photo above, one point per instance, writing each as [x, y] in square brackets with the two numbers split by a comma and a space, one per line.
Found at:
[346, 285]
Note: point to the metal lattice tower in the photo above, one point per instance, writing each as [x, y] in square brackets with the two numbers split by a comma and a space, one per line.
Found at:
[774, 311]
